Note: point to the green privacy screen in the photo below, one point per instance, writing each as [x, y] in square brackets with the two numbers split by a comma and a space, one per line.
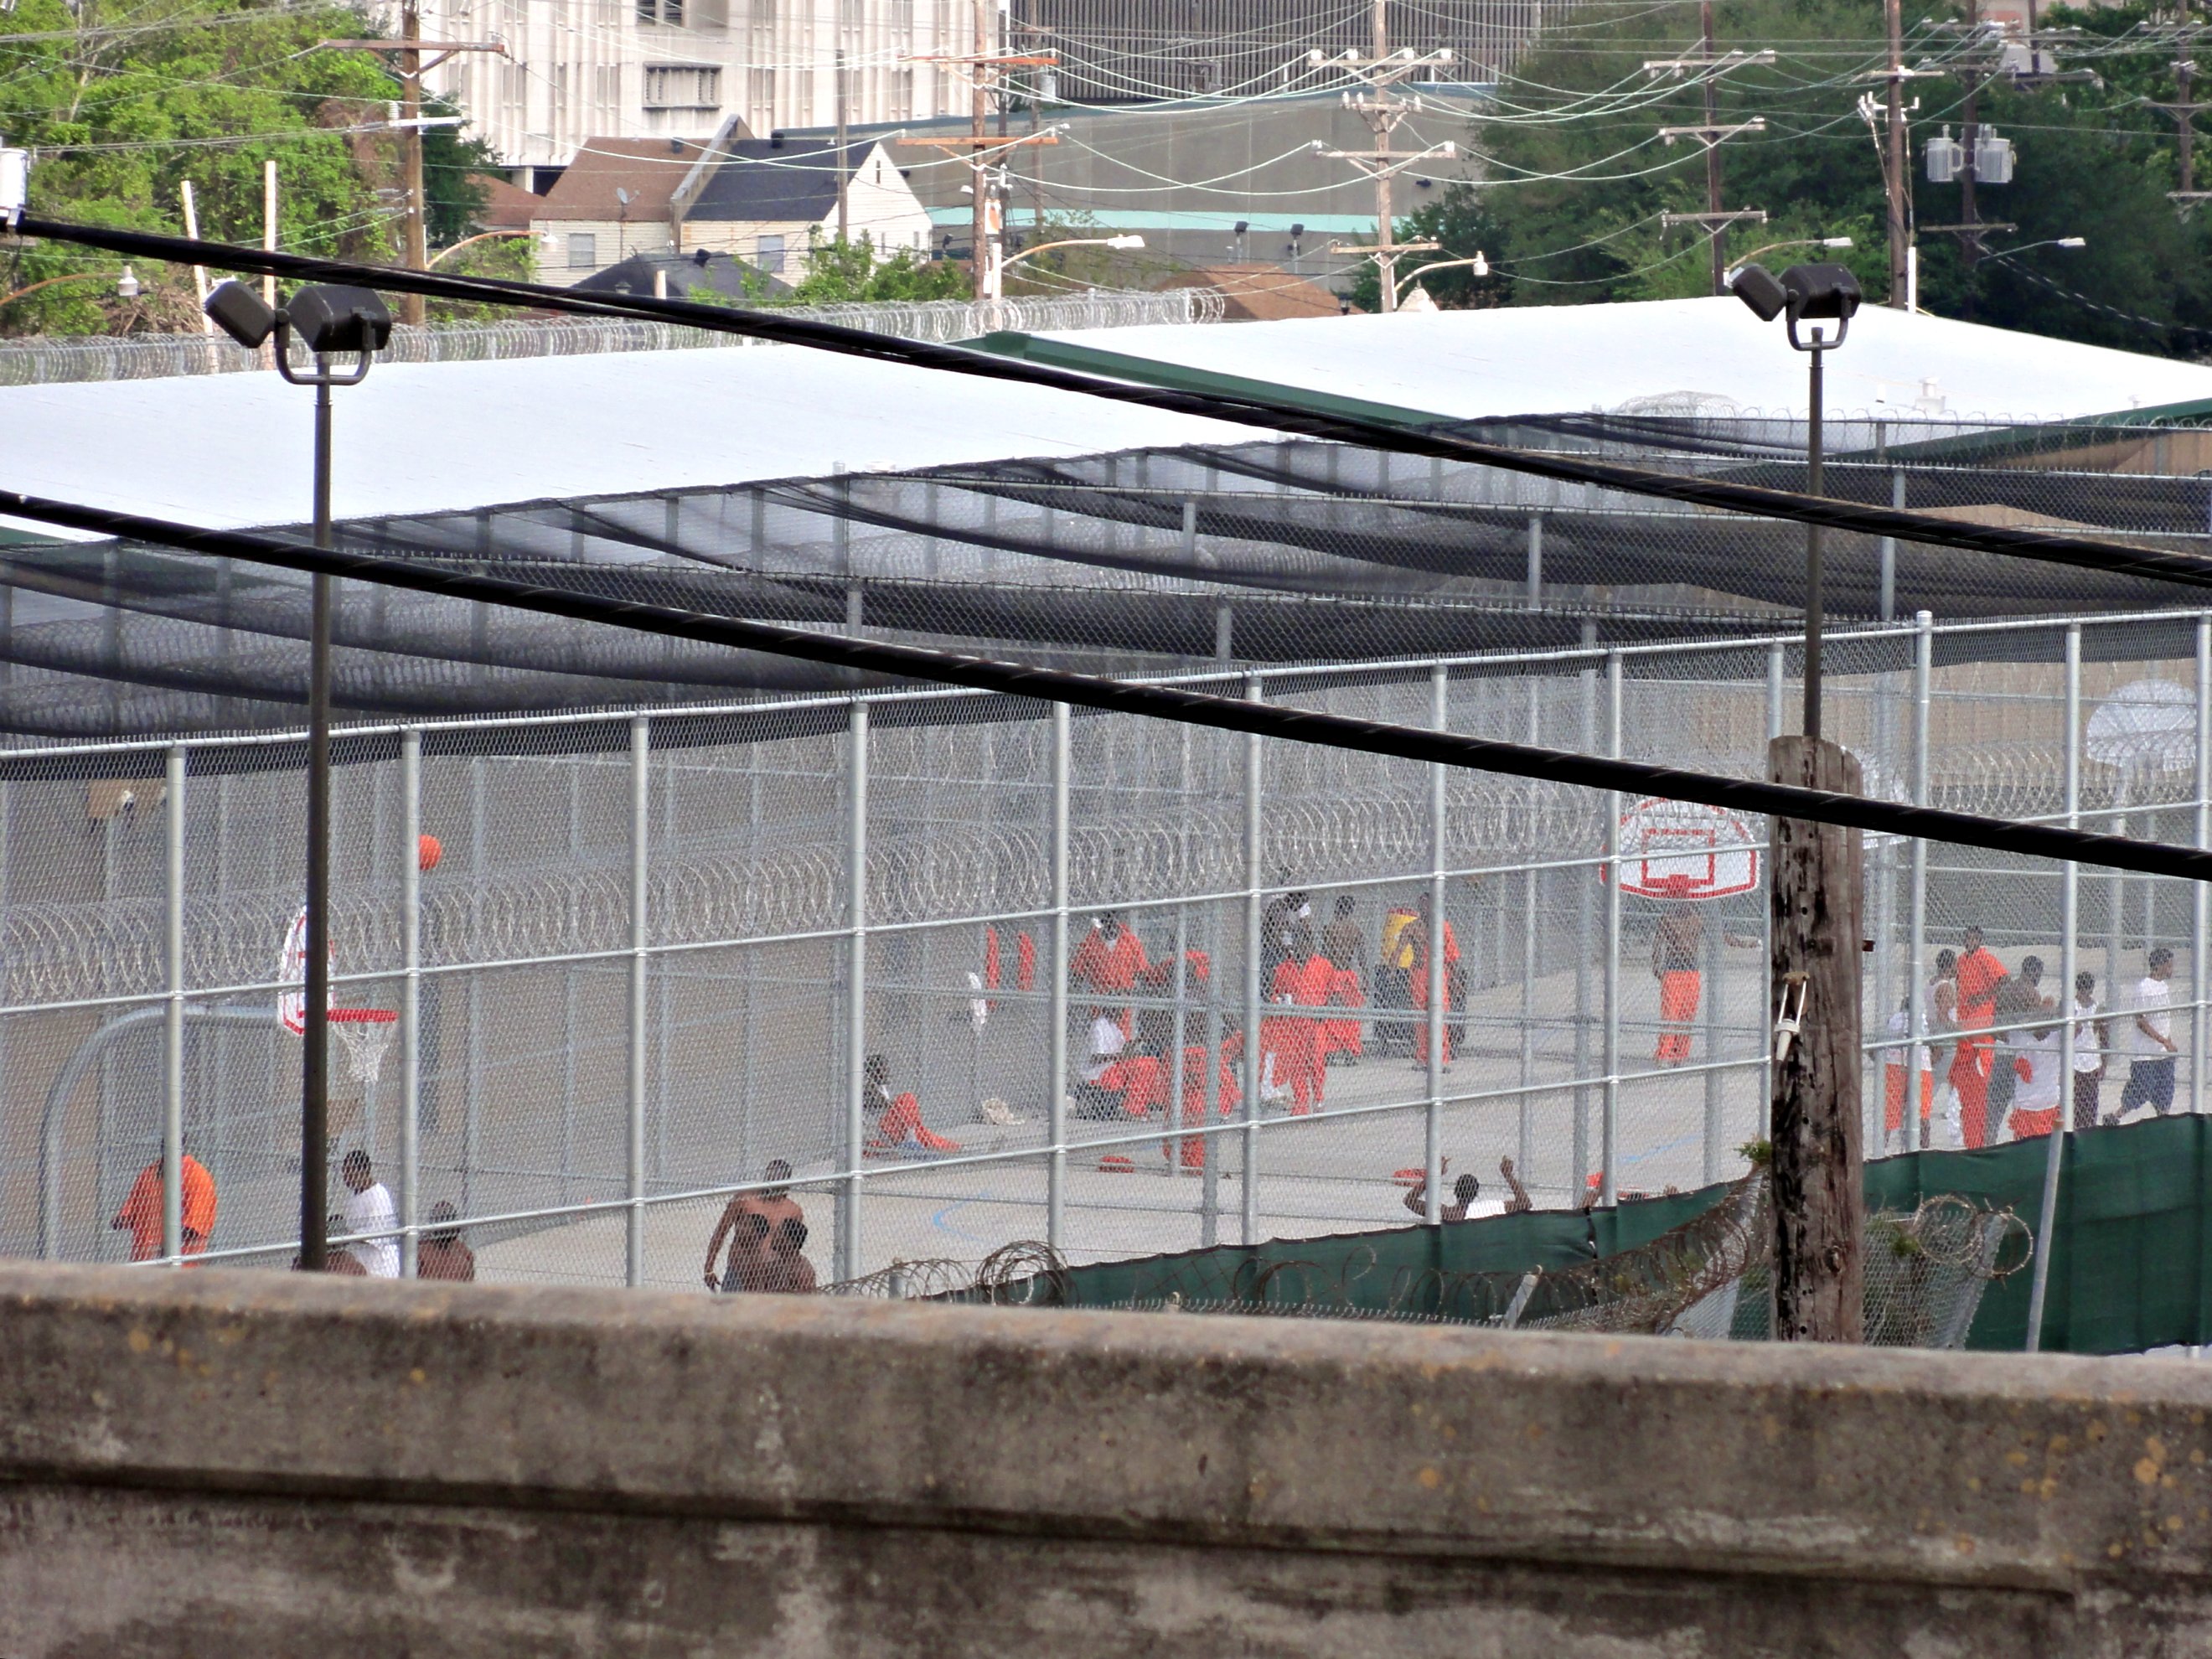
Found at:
[2129, 1272]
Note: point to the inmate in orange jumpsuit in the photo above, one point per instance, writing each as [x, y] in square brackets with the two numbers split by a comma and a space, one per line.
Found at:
[1141, 1080]
[140, 1214]
[1292, 1042]
[1979, 973]
[901, 1127]
[1343, 1036]
[1190, 1150]
[1109, 970]
[1420, 988]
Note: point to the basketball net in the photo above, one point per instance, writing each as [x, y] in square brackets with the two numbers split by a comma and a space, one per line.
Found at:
[367, 1033]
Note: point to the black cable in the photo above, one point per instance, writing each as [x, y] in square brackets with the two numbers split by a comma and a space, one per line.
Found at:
[2113, 558]
[1158, 702]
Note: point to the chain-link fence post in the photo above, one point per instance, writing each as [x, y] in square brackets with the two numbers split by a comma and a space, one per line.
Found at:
[1609, 1125]
[1255, 1071]
[1056, 1038]
[2200, 900]
[1774, 677]
[1524, 1143]
[173, 1029]
[410, 998]
[854, 1136]
[1585, 925]
[640, 829]
[1924, 692]
[1432, 1131]
[2068, 953]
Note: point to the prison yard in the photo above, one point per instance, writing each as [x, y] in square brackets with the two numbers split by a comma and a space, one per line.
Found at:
[910, 962]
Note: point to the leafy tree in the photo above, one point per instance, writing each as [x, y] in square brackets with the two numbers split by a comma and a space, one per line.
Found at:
[122, 103]
[838, 271]
[1577, 178]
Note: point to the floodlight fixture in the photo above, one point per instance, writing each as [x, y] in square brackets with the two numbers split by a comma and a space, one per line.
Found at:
[127, 285]
[329, 318]
[1125, 242]
[1759, 289]
[1822, 292]
[241, 312]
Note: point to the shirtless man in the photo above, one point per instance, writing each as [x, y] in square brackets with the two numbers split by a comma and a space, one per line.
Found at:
[1466, 1189]
[772, 1203]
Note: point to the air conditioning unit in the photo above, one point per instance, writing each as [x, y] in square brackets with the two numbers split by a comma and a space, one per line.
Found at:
[1946, 155]
[1992, 157]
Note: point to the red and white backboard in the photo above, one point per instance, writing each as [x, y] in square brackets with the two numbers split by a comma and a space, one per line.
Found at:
[292, 972]
[1675, 849]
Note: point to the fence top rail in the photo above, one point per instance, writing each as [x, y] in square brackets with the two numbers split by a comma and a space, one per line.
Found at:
[1243, 677]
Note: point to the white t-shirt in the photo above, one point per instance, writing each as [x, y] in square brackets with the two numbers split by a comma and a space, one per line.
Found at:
[1900, 1026]
[2087, 1056]
[2154, 1001]
[370, 1211]
[2039, 1090]
[1106, 1045]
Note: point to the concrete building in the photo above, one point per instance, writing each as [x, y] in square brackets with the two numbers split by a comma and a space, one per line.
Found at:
[577, 69]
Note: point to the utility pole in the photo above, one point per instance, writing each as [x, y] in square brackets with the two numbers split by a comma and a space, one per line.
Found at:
[982, 265]
[410, 121]
[1897, 163]
[1382, 114]
[2184, 111]
[844, 170]
[417, 254]
[985, 69]
[1712, 133]
[1819, 1197]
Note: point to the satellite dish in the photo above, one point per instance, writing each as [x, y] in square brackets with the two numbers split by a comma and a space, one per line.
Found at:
[2149, 726]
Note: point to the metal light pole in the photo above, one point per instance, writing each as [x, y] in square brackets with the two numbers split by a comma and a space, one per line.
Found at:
[1818, 1158]
[330, 321]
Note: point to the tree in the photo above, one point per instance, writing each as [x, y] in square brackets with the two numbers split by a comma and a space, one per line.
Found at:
[839, 272]
[1575, 177]
[122, 103]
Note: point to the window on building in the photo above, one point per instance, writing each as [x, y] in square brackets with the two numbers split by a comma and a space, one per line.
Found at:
[583, 249]
[670, 12]
[768, 254]
[682, 85]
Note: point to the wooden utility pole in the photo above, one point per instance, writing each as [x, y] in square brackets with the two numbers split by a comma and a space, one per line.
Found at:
[844, 168]
[986, 69]
[1819, 1200]
[1897, 163]
[979, 114]
[2184, 111]
[410, 67]
[417, 254]
[1382, 114]
[1712, 133]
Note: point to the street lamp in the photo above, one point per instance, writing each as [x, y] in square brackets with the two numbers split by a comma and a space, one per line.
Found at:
[1481, 266]
[2026, 247]
[1802, 294]
[330, 321]
[1801, 241]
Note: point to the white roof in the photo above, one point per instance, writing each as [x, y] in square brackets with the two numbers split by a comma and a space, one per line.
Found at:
[1565, 359]
[231, 451]
[234, 451]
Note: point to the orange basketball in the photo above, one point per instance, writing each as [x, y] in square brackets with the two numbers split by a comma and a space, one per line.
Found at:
[428, 852]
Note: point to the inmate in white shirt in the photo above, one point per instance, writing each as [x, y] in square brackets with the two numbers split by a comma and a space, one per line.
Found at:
[2153, 1001]
[370, 1211]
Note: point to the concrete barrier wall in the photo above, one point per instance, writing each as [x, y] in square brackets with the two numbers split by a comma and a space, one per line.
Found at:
[247, 1464]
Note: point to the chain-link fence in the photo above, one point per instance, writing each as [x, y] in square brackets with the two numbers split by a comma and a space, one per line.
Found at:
[650, 953]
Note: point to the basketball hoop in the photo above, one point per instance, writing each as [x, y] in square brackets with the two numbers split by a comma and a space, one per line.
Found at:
[367, 1033]
[1678, 850]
